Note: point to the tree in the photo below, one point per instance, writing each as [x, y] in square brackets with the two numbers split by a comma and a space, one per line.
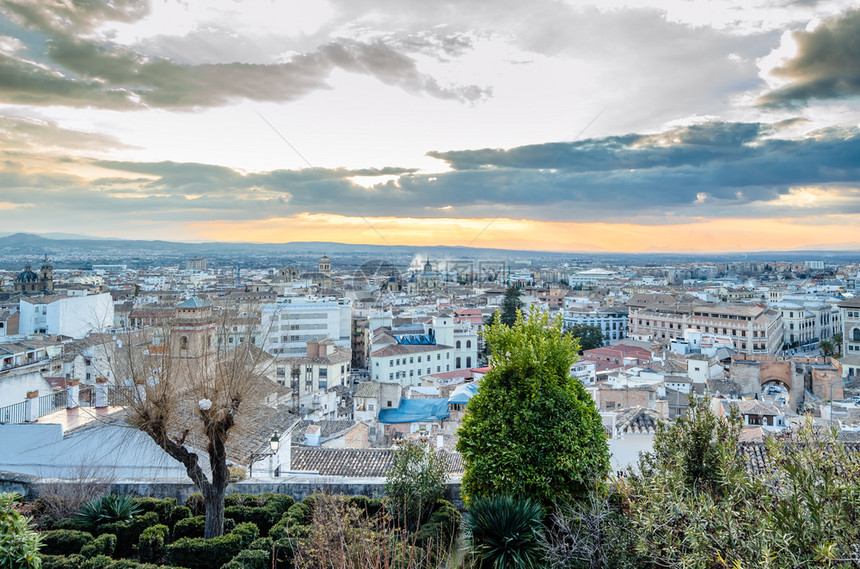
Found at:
[826, 347]
[532, 430]
[511, 306]
[837, 342]
[186, 382]
[414, 483]
[589, 336]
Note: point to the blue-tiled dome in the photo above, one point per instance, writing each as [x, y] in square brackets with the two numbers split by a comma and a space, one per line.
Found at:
[27, 276]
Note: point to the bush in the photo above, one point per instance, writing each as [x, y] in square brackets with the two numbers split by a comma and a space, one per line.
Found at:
[64, 541]
[164, 508]
[150, 546]
[189, 527]
[199, 553]
[196, 504]
[414, 483]
[262, 543]
[128, 533]
[179, 513]
[505, 532]
[440, 530]
[250, 559]
[263, 517]
[279, 503]
[284, 553]
[19, 543]
[62, 561]
[104, 544]
[104, 562]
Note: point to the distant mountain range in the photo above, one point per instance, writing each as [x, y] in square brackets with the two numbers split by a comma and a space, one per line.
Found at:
[66, 245]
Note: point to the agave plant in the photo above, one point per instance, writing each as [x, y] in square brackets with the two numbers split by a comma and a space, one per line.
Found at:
[108, 508]
[504, 532]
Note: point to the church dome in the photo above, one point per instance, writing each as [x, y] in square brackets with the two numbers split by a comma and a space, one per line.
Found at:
[27, 276]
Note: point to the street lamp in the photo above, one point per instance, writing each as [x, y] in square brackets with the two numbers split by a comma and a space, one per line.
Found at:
[274, 445]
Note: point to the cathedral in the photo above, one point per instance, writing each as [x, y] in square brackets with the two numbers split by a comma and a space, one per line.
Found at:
[29, 282]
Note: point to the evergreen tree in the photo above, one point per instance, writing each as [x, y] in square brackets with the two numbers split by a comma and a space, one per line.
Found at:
[589, 336]
[511, 305]
[532, 430]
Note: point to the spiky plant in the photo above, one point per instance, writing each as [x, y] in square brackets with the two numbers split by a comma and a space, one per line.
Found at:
[108, 508]
[504, 532]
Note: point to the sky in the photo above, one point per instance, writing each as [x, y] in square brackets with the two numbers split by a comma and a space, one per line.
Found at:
[674, 126]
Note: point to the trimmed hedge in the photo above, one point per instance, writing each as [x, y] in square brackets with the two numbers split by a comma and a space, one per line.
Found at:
[163, 507]
[250, 559]
[199, 553]
[64, 541]
[189, 527]
[105, 562]
[264, 518]
[263, 543]
[150, 547]
[104, 544]
[128, 533]
[62, 561]
[196, 504]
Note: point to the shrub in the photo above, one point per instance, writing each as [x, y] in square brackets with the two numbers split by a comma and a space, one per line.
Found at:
[108, 508]
[263, 518]
[179, 513]
[279, 503]
[64, 541]
[440, 530]
[189, 527]
[284, 553]
[532, 430]
[62, 561]
[163, 507]
[128, 532]
[505, 532]
[19, 543]
[104, 562]
[250, 559]
[199, 553]
[196, 504]
[150, 546]
[416, 480]
[104, 544]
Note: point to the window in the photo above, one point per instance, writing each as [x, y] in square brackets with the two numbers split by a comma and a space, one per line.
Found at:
[411, 359]
[457, 363]
[855, 335]
[390, 363]
[419, 359]
[390, 376]
[468, 343]
[458, 344]
[438, 356]
[388, 404]
[468, 361]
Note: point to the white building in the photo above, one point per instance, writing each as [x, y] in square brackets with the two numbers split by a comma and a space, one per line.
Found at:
[72, 316]
[612, 323]
[290, 323]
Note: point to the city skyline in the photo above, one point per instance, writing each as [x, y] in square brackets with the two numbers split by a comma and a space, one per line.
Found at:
[676, 127]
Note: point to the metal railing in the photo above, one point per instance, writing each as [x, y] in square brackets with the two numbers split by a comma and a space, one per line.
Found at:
[13, 414]
[16, 413]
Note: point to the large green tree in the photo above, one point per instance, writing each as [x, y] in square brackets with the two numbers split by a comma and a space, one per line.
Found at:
[512, 304]
[589, 336]
[532, 430]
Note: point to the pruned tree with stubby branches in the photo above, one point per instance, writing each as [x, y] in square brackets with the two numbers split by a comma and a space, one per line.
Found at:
[186, 386]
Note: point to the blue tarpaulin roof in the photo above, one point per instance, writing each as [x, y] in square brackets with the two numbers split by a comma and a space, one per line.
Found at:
[463, 393]
[412, 410]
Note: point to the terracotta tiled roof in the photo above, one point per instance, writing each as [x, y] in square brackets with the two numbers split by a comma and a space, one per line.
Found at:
[362, 463]
[756, 455]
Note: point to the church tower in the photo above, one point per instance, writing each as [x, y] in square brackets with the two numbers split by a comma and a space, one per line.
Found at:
[46, 275]
[325, 266]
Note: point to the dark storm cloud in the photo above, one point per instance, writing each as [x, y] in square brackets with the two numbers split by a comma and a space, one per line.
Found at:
[826, 67]
[700, 171]
[67, 67]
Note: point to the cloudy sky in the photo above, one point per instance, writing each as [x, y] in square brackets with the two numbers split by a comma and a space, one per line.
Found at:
[683, 125]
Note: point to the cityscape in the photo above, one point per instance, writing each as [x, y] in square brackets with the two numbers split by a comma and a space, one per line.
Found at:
[458, 285]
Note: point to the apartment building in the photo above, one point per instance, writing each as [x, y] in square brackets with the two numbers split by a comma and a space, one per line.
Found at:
[850, 316]
[754, 329]
[288, 324]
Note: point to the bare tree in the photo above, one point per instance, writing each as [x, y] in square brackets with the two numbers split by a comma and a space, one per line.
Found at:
[185, 385]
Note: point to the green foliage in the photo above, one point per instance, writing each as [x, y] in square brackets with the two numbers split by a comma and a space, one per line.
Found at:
[105, 562]
[440, 530]
[19, 543]
[701, 444]
[128, 532]
[532, 430]
[163, 507]
[250, 559]
[179, 513]
[802, 510]
[511, 307]
[196, 504]
[414, 483]
[826, 347]
[108, 508]
[262, 543]
[104, 544]
[62, 561]
[199, 553]
[589, 336]
[189, 527]
[64, 541]
[150, 546]
[504, 532]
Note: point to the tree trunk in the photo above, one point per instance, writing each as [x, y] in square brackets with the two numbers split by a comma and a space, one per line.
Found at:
[214, 499]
